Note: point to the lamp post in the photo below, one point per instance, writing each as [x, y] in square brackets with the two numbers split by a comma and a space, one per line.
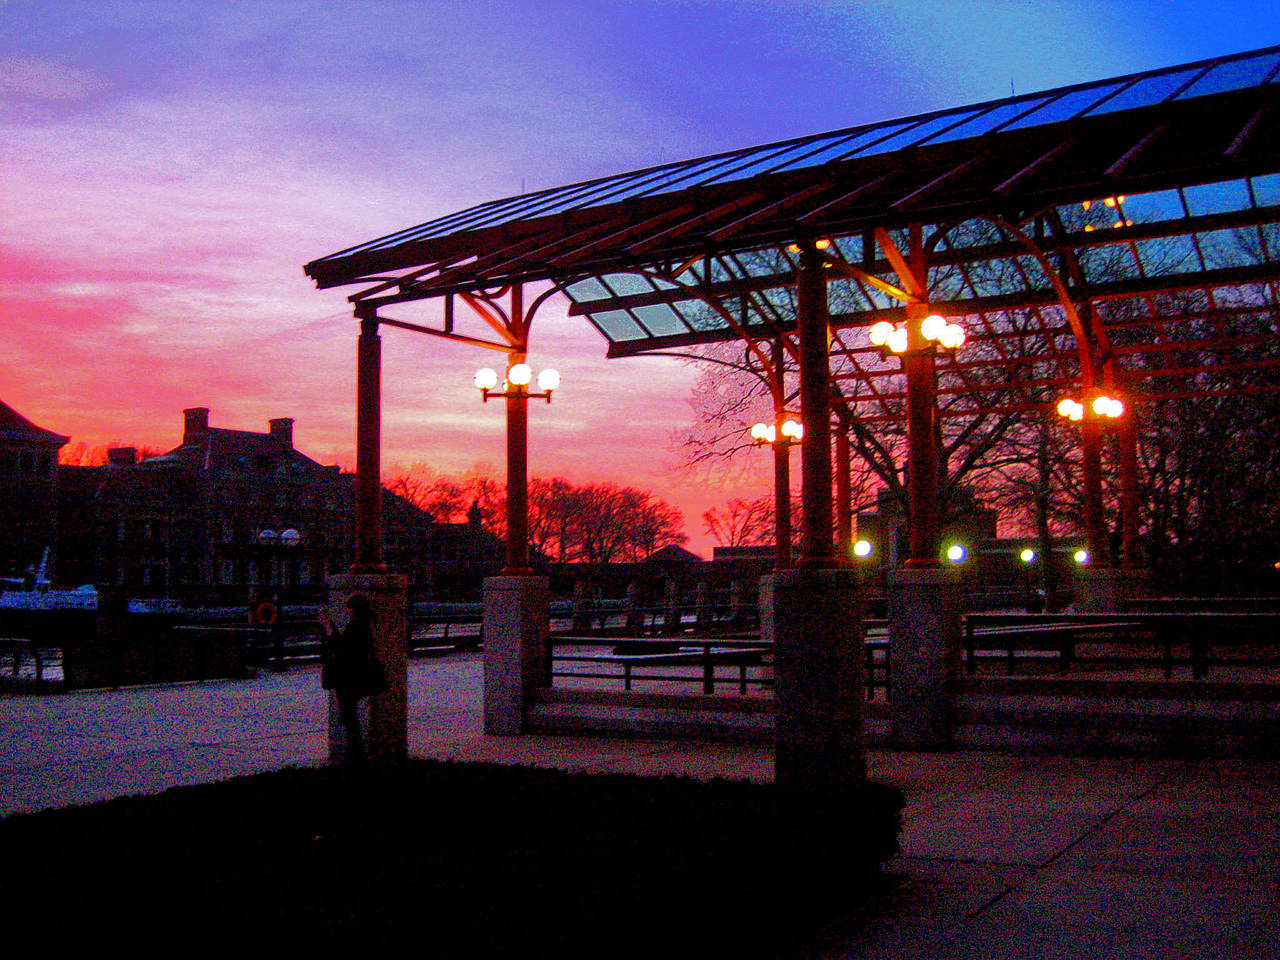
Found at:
[266, 611]
[515, 390]
[1092, 412]
[1028, 558]
[782, 435]
[917, 342]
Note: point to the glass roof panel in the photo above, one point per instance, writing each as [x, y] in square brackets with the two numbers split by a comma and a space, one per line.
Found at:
[625, 284]
[1267, 190]
[1152, 207]
[909, 136]
[688, 174]
[839, 147]
[763, 162]
[1217, 197]
[1223, 248]
[587, 290]
[1062, 108]
[1148, 91]
[660, 319]
[986, 121]
[617, 325]
[1232, 75]
[1168, 255]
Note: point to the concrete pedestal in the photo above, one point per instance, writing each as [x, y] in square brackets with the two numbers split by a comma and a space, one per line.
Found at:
[814, 619]
[516, 626]
[924, 644]
[1105, 589]
[382, 716]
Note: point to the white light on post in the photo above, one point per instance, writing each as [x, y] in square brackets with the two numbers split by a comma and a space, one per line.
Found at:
[789, 433]
[793, 430]
[519, 376]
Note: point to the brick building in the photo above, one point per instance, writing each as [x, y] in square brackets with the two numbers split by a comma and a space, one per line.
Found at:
[28, 492]
[228, 513]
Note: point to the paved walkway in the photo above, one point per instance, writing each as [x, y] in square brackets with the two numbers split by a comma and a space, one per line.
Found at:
[1003, 857]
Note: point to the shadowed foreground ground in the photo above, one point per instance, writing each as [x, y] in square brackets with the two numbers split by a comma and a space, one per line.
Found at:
[458, 859]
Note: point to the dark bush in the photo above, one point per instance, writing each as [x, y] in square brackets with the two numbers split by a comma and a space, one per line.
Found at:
[448, 859]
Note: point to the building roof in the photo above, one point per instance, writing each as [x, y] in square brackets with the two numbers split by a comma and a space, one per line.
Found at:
[674, 553]
[235, 450]
[14, 426]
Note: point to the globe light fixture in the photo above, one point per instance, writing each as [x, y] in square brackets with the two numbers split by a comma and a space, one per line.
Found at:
[862, 549]
[519, 375]
[956, 553]
[764, 434]
[1081, 557]
[1027, 556]
[935, 329]
[1101, 406]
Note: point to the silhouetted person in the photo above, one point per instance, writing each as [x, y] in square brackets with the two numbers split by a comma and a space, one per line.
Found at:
[351, 669]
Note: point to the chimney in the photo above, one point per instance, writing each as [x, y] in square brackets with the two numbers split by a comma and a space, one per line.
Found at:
[122, 456]
[195, 425]
[282, 430]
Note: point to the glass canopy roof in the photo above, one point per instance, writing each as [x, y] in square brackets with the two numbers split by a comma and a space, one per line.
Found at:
[1151, 202]
[1065, 105]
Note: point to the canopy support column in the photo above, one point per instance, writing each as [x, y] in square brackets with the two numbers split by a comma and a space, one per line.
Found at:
[368, 512]
[814, 340]
[1091, 455]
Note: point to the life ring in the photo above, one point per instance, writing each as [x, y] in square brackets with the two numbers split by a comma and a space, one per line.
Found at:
[265, 613]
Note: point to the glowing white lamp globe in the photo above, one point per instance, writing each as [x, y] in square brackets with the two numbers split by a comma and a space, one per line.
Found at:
[879, 333]
[931, 327]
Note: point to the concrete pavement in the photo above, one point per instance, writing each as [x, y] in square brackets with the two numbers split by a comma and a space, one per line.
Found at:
[1003, 856]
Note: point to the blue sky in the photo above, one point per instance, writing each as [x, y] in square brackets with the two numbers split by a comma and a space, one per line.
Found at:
[168, 167]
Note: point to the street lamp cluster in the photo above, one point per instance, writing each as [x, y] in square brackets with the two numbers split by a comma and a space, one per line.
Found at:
[519, 375]
[934, 328]
[792, 432]
[1115, 203]
[1101, 405]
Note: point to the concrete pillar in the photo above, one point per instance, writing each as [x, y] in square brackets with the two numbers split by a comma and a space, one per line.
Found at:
[516, 629]
[635, 609]
[383, 716]
[924, 644]
[671, 625]
[814, 619]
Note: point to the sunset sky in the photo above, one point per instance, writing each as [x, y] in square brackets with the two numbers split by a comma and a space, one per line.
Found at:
[167, 167]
